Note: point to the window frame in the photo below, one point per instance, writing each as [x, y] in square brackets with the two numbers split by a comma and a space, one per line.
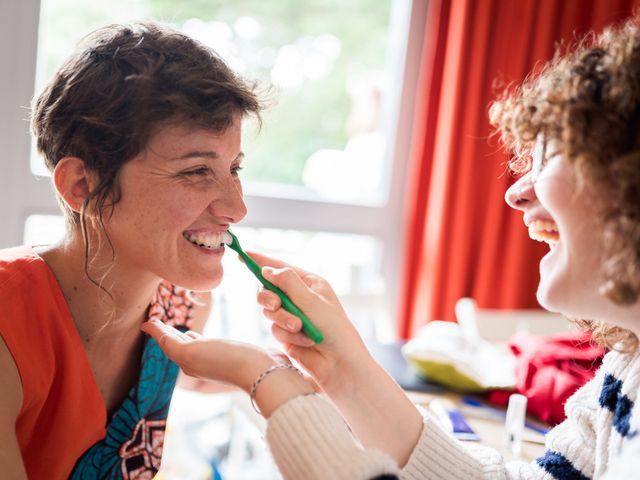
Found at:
[23, 194]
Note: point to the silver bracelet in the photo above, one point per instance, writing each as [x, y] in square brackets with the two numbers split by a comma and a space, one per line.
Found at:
[262, 376]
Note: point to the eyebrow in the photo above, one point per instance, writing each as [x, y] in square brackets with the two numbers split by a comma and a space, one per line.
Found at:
[205, 154]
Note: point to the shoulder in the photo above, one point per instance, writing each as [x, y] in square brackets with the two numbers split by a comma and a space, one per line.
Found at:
[17, 263]
[619, 377]
[30, 307]
[27, 288]
[618, 374]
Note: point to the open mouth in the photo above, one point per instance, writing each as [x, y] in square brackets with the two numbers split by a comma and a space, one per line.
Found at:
[212, 241]
[544, 231]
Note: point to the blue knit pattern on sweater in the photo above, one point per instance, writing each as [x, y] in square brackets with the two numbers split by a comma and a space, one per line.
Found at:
[612, 398]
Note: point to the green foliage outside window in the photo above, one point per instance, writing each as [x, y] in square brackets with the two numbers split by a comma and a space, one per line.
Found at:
[302, 119]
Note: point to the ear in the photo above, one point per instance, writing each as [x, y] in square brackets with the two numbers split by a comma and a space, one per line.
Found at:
[73, 182]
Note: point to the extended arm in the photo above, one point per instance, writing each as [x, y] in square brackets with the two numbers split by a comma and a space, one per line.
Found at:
[308, 437]
[372, 403]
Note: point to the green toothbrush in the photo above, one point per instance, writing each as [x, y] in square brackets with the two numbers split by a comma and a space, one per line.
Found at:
[308, 327]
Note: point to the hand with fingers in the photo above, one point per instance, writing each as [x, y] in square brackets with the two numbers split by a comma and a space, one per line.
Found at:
[372, 403]
[234, 363]
[342, 355]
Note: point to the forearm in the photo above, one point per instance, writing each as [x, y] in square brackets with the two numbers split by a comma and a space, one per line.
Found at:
[377, 410]
[309, 439]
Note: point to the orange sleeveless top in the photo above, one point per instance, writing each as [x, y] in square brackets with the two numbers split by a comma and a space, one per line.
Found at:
[63, 414]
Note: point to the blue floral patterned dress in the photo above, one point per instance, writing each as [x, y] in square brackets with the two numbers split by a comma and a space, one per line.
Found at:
[132, 447]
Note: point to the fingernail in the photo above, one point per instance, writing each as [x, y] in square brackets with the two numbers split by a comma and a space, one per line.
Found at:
[291, 325]
[268, 304]
[267, 271]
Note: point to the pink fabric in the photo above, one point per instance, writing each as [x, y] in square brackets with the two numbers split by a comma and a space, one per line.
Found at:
[550, 369]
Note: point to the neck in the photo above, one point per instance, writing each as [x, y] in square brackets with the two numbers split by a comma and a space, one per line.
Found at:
[114, 304]
[604, 310]
[628, 318]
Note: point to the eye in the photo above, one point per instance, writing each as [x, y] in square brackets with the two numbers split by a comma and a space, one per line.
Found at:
[235, 170]
[200, 171]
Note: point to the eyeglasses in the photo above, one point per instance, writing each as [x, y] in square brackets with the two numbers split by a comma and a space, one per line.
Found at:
[543, 153]
[537, 159]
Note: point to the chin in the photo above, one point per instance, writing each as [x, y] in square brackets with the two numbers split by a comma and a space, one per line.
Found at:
[546, 300]
[203, 285]
[199, 283]
[558, 301]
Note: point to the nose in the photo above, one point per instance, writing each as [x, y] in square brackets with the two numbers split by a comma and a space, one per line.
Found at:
[521, 194]
[228, 203]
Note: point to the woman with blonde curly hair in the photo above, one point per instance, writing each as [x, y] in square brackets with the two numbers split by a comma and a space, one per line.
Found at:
[575, 131]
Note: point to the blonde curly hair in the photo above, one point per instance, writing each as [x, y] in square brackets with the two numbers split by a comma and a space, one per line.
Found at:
[587, 100]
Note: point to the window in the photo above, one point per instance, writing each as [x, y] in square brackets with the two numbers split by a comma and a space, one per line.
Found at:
[320, 166]
[326, 74]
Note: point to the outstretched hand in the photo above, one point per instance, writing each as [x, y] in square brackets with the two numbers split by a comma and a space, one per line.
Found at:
[226, 361]
[235, 363]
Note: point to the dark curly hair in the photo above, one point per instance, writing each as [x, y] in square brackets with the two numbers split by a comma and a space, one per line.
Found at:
[587, 100]
[122, 84]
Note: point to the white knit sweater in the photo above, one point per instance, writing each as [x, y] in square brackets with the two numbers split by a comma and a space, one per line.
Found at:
[310, 440]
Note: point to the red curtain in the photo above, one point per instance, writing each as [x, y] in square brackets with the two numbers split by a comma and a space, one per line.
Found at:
[461, 238]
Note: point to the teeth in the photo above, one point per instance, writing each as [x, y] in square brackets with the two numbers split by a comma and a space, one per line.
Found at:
[545, 225]
[208, 240]
[544, 231]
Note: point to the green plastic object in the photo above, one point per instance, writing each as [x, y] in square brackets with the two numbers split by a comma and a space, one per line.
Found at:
[309, 328]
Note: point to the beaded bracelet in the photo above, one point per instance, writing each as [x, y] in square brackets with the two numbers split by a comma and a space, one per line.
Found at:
[262, 376]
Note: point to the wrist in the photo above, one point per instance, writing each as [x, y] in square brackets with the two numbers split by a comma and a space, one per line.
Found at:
[277, 385]
[350, 377]
[245, 368]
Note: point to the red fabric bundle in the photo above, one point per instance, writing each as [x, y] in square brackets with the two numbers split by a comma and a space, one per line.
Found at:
[550, 369]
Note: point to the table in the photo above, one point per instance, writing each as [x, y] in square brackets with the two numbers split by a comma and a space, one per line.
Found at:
[490, 430]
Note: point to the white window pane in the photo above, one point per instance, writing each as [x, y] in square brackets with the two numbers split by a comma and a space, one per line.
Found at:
[351, 263]
[36, 163]
[325, 131]
[43, 229]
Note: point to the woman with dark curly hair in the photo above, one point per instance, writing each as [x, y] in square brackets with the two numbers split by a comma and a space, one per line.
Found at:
[141, 130]
[575, 131]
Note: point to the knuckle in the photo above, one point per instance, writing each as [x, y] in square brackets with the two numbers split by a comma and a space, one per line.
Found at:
[276, 330]
[281, 335]
[282, 273]
[163, 340]
[288, 272]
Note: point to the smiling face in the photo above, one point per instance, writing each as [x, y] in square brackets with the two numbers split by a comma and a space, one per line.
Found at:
[560, 213]
[177, 198]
